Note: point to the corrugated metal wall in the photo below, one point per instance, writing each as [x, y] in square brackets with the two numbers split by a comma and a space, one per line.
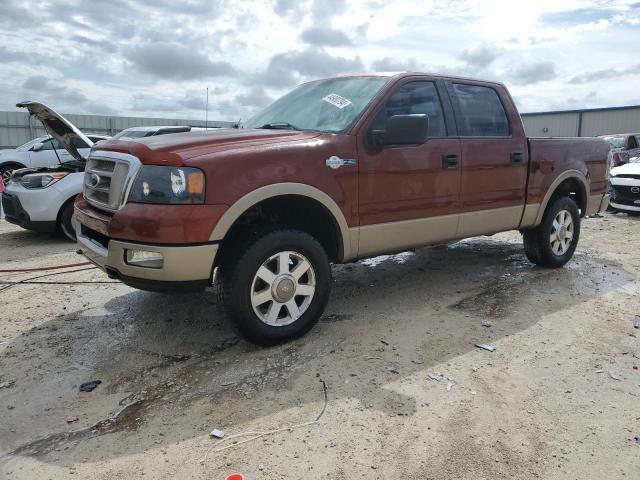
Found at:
[582, 123]
[17, 128]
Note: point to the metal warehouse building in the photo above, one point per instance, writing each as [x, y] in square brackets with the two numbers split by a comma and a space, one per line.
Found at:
[583, 123]
[17, 128]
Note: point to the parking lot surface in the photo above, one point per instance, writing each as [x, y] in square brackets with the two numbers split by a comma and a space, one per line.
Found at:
[408, 394]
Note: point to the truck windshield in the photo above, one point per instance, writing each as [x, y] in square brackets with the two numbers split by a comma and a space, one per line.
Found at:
[331, 105]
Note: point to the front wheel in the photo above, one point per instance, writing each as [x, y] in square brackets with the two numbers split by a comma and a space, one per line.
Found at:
[553, 242]
[65, 223]
[277, 288]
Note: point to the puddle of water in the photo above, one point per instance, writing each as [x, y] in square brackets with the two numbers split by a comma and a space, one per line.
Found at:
[399, 258]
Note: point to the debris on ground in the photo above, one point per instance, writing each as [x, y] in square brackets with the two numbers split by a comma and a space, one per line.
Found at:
[7, 384]
[637, 439]
[418, 360]
[90, 386]
[450, 385]
[485, 346]
[72, 419]
[437, 376]
[615, 376]
[235, 476]
[215, 433]
[486, 323]
[636, 321]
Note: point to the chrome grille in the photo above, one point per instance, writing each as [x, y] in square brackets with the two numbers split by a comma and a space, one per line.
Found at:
[107, 178]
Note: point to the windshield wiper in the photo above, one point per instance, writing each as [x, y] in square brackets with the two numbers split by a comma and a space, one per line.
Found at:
[279, 126]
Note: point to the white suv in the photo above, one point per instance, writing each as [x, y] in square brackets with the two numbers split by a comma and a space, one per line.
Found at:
[40, 152]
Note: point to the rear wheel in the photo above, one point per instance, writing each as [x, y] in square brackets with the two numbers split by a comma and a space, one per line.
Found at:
[277, 286]
[64, 222]
[553, 242]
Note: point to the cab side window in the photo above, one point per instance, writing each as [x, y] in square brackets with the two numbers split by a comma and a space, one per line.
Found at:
[479, 112]
[414, 98]
[50, 144]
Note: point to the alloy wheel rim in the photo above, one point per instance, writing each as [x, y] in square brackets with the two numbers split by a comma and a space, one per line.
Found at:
[283, 288]
[6, 175]
[562, 231]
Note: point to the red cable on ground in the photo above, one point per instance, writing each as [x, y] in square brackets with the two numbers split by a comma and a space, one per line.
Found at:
[55, 267]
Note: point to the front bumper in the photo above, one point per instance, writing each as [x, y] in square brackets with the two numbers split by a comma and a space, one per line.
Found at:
[184, 268]
[15, 213]
[625, 194]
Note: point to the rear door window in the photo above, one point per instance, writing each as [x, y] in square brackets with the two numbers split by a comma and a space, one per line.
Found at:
[479, 111]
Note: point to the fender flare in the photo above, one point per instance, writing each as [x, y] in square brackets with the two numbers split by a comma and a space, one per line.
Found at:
[578, 175]
[348, 238]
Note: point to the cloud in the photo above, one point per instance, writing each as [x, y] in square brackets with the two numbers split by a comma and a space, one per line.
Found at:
[169, 60]
[533, 72]
[605, 74]
[479, 56]
[325, 36]
[388, 64]
[285, 69]
[324, 10]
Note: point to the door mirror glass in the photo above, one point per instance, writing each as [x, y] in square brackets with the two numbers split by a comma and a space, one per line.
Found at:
[403, 130]
[37, 147]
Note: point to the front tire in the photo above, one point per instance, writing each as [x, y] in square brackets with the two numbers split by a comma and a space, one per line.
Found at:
[277, 286]
[554, 241]
[7, 170]
[65, 223]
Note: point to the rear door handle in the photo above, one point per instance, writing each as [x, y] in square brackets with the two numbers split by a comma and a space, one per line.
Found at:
[517, 158]
[450, 161]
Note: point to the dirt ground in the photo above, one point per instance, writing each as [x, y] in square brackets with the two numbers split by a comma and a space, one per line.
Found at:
[558, 398]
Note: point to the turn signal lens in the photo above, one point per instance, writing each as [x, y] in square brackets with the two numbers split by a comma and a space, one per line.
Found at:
[195, 183]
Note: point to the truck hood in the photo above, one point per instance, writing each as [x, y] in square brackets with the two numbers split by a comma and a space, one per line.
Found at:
[179, 147]
[58, 127]
[632, 168]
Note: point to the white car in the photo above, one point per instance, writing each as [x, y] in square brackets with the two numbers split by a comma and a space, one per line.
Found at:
[625, 187]
[41, 199]
[40, 152]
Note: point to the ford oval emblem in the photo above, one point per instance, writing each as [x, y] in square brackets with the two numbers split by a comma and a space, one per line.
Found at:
[94, 180]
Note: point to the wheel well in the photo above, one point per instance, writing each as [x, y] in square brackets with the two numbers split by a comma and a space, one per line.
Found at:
[293, 211]
[11, 164]
[62, 207]
[574, 189]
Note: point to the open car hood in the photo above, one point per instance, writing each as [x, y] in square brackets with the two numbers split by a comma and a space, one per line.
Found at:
[58, 127]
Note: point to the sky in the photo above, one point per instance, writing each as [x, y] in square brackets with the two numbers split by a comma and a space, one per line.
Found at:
[156, 58]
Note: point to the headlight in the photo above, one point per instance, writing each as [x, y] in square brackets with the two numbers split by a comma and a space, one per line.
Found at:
[173, 185]
[41, 180]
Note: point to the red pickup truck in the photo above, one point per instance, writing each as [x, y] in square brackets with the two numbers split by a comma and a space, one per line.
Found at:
[338, 169]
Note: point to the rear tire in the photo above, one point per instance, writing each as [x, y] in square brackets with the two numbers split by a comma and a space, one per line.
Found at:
[554, 241]
[65, 223]
[276, 286]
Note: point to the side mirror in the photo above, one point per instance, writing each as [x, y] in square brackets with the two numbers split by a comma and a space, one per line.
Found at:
[403, 130]
[37, 147]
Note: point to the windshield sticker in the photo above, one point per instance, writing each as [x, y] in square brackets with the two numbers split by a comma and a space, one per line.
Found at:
[336, 100]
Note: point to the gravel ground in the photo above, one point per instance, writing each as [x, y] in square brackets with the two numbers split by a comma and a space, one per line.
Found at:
[557, 399]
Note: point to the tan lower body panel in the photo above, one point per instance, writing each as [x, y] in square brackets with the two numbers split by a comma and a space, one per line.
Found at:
[530, 215]
[397, 236]
[483, 222]
[597, 204]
